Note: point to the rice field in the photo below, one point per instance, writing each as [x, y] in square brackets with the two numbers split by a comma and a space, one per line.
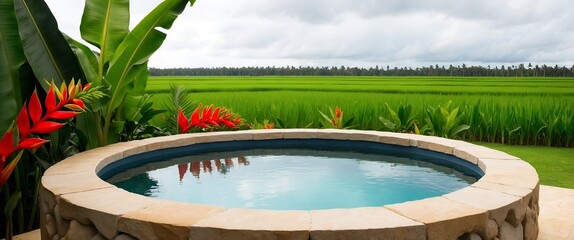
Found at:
[524, 111]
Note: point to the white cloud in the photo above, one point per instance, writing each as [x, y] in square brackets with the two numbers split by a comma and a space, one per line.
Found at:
[356, 33]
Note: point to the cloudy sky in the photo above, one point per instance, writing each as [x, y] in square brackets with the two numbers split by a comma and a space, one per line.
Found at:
[362, 33]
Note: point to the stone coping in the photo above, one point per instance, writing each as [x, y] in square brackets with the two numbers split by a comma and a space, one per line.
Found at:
[77, 193]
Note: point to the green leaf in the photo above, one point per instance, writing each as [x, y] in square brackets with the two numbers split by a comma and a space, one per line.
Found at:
[45, 48]
[12, 202]
[105, 23]
[388, 124]
[139, 45]
[87, 59]
[456, 130]
[11, 58]
[87, 129]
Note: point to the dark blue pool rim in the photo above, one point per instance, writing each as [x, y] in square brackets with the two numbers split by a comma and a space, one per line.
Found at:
[442, 159]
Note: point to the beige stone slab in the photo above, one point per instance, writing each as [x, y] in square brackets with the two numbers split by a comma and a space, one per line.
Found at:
[512, 190]
[364, 223]
[557, 197]
[444, 218]
[442, 145]
[222, 136]
[473, 153]
[510, 172]
[299, 133]
[73, 182]
[555, 222]
[353, 135]
[164, 220]
[169, 142]
[397, 139]
[507, 166]
[266, 134]
[498, 204]
[102, 207]
[253, 224]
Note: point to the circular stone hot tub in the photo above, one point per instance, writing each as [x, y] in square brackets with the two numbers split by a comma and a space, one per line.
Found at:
[77, 204]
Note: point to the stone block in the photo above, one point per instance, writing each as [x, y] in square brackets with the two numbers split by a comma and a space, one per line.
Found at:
[364, 223]
[80, 231]
[444, 218]
[82, 181]
[509, 232]
[164, 220]
[253, 224]
[474, 152]
[102, 207]
[496, 203]
[267, 134]
[299, 133]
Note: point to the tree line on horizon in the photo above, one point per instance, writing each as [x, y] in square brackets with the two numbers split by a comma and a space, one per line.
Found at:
[520, 70]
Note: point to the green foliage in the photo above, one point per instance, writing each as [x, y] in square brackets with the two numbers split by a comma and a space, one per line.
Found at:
[444, 122]
[45, 47]
[516, 109]
[11, 57]
[401, 120]
[178, 98]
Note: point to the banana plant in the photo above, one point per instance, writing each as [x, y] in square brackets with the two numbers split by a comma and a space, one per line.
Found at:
[121, 63]
[443, 122]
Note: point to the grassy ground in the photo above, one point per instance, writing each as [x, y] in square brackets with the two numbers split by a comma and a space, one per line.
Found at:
[555, 166]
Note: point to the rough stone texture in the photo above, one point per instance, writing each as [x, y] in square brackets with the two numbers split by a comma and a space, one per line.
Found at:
[164, 220]
[61, 224]
[79, 231]
[490, 230]
[98, 237]
[444, 218]
[102, 207]
[498, 204]
[509, 232]
[253, 224]
[124, 237]
[470, 236]
[530, 224]
[50, 225]
[364, 223]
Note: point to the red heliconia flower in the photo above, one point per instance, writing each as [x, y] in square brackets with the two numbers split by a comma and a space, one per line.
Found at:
[6, 146]
[206, 118]
[35, 119]
[338, 112]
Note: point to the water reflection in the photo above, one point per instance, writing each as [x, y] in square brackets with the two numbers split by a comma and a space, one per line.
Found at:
[196, 167]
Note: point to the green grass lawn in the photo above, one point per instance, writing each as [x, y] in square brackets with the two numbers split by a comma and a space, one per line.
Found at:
[555, 166]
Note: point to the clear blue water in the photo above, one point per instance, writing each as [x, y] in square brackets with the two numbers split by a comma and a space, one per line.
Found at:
[292, 179]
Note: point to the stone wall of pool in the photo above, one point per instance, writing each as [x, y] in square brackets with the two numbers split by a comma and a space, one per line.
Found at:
[77, 204]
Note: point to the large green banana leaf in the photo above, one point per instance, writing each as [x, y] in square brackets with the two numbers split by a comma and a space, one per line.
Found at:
[87, 59]
[105, 23]
[134, 94]
[11, 57]
[44, 46]
[138, 46]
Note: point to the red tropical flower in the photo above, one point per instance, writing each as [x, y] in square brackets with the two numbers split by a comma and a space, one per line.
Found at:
[35, 119]
[207, 118]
